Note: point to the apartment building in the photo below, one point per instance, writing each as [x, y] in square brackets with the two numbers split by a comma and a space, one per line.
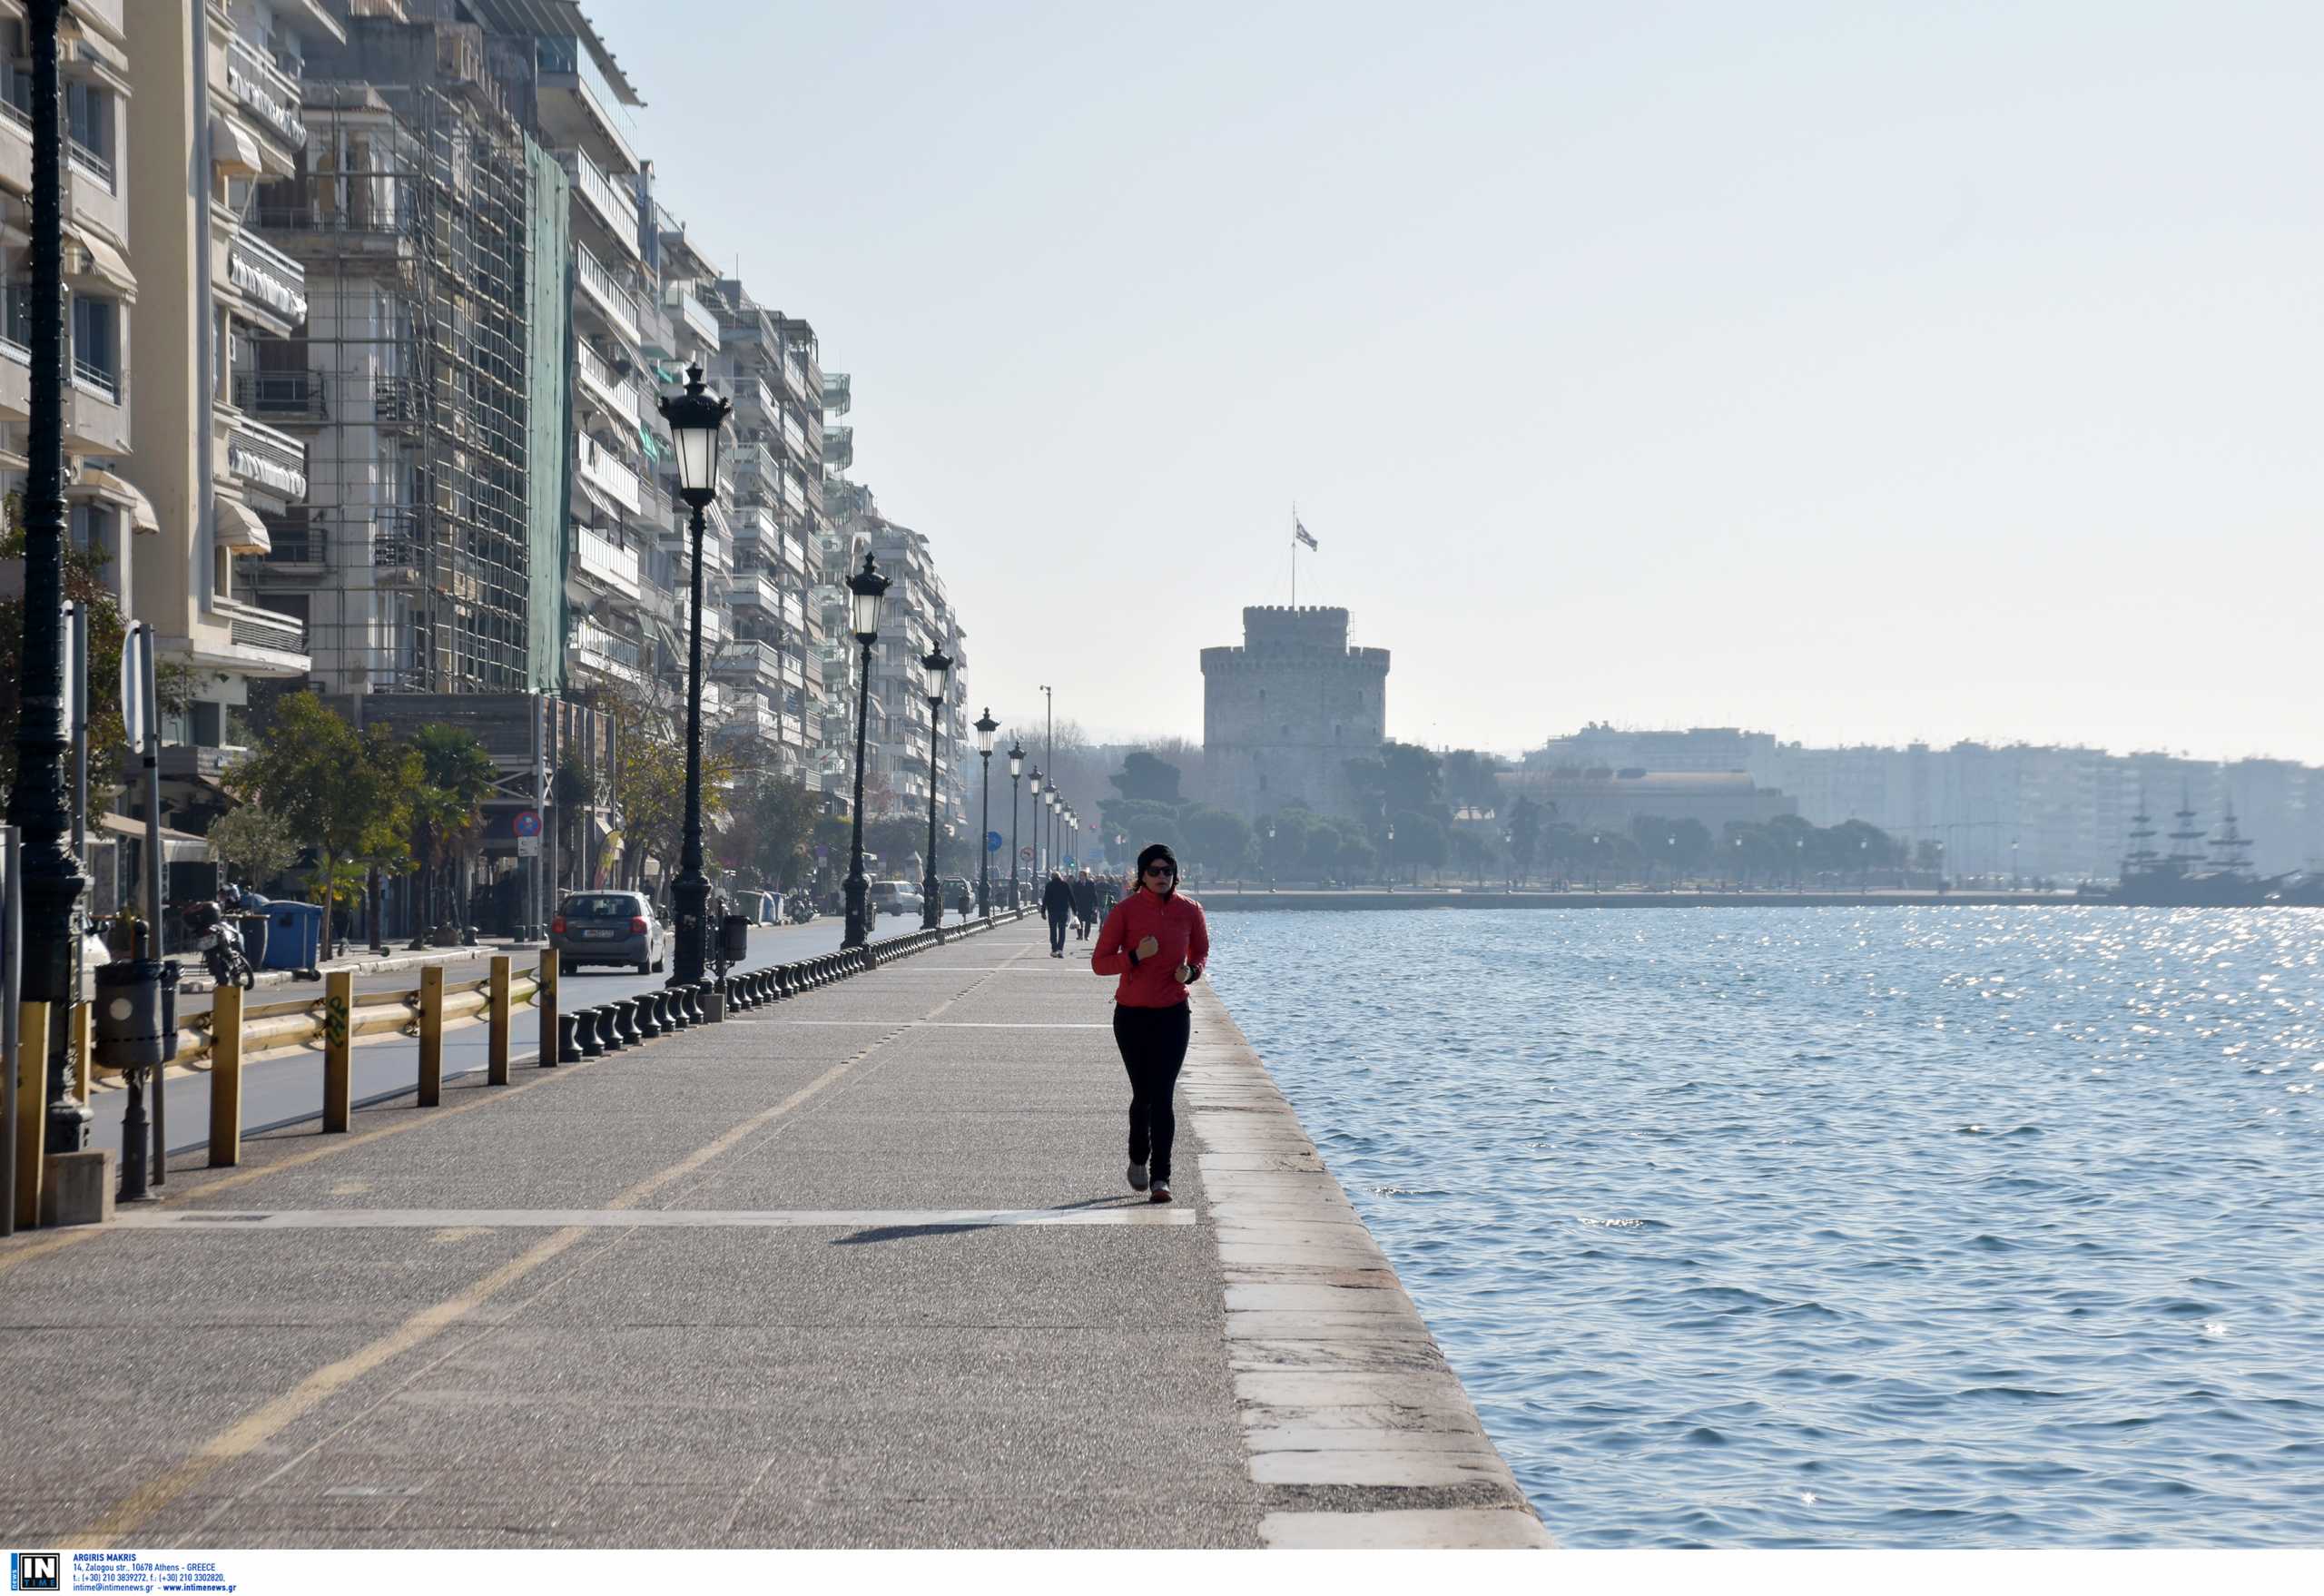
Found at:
[917, 618]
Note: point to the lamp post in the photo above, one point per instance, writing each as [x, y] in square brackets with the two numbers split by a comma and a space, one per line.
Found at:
[936, 676]
[1016, 770]
[864, 591]
[1674, 864]
[1391, 872]
[1037, 839]
[39, 806]
[1270, 856]
[2013, 886]
[697, 420]
[986, 726]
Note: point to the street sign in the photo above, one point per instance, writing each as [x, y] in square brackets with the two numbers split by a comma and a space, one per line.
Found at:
[528, 845]
[1026, 854]
[528, 824]
[992, 842]
[133, 685]
[1069, 864]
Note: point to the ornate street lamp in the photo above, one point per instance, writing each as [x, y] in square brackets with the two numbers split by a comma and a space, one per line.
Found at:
[696, 421]
[986, 726]
[39, 804]
[936, 678]
[1016, 771]
[1391, 872]
[1040, 834]
[864, 591]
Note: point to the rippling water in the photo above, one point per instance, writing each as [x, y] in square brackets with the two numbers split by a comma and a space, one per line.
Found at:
[1880, 1227]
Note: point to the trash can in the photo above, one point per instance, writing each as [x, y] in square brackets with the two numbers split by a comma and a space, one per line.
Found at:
[734, 939]
[253, 929]
[294, 936]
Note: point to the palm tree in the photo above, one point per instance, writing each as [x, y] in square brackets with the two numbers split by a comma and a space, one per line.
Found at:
[457, 775]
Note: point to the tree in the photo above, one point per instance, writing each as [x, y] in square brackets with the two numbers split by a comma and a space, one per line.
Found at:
[1524, 835]
[769, 826]
[344, 795]
[1145, 779]
[456, 776]
[258, 845]
[649, 783]
[1419, 840]
[575, 791]
[1217, 838]
[1402, 776]
[1472, 781]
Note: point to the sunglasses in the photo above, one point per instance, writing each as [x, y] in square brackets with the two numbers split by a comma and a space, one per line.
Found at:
[1161, 870]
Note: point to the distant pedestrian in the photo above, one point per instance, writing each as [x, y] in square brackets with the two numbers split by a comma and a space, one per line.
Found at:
[1057, 903]
[1085, 904]
[1156, 941]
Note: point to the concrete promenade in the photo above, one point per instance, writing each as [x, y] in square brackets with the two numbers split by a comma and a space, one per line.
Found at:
[858, 1269]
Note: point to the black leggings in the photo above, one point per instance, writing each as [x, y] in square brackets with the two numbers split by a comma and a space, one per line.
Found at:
[1154, 1045]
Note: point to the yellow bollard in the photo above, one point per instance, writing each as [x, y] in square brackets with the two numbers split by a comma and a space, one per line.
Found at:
[31, 1064]
[226, 1077]
[496, 1055]
[82, 1061]
[431, 1035]
[545, 1004]
[338, 1064]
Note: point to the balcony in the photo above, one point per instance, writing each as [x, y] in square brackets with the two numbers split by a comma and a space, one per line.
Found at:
[272, 94]
[751, 590]
[838, 392]
[753, 664]
[752, 719]
[621, 396]
[794, 437]
[603, 471]
[793, 495]
[693, 313]
[616, 211]
[839, 448]
[601, 288]
[608, 562]
[576, 104]
[269, 277]
[297, 396]
[608, 654]
[273, 462]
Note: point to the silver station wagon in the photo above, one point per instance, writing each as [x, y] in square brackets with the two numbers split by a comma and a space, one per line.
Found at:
[608, 928]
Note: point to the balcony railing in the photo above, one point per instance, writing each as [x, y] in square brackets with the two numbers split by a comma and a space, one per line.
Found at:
[616, 209]
[105, 384]
[622, 395]
[607, 560]
[562, 57]
[288, 395]
[272, 460]
[600, 467]
[268, 276]
[794, 437]
[693, 313]
[272, 93]
[749, 588]
[758, 659]
[618, 302]
[794, 376]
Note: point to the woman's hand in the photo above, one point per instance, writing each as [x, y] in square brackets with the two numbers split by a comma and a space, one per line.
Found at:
[1147, 948]
[1186, 972]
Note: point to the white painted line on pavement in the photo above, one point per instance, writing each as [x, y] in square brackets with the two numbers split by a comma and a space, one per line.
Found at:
[641, 1218]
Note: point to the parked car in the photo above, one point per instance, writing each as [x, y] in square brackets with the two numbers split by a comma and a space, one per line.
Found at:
[608, 928]
[896, 898]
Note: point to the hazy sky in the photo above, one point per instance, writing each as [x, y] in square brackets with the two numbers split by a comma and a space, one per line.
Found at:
[1853, 371]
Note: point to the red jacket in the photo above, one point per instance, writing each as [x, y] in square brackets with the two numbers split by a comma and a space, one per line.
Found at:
[1176, 923]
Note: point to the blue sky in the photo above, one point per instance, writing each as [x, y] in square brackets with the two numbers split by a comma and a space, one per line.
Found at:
[1859, 373]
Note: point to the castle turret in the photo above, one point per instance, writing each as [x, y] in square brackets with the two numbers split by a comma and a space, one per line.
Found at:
[1285, 713]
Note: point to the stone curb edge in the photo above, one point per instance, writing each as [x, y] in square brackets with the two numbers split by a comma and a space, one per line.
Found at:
[1344, 1396]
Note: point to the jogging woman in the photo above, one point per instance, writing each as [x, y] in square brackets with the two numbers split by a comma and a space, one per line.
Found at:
[1156, 941]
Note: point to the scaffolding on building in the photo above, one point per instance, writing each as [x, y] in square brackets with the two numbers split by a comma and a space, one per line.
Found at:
[410, 216]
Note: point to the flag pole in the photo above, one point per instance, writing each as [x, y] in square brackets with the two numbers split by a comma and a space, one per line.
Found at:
[1294, 554]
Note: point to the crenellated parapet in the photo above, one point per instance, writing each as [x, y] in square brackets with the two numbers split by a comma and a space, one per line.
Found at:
[1284, 711]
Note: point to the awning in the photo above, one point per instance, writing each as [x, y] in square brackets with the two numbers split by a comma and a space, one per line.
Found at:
[232, 150]
[120, 491]
[98, 261]
[240, 528]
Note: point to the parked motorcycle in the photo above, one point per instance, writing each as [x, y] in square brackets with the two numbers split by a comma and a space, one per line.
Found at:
[220, 943]
[799, 908]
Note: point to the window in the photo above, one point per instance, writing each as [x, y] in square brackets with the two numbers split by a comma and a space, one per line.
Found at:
[96, 344]
[16, 300]
[88, 122]
[92, 528]
[16, 82]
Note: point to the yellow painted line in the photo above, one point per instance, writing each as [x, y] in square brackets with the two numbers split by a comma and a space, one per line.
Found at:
[259, 1428]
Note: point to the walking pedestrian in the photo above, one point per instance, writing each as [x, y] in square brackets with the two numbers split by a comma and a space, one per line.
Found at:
[1057, 903]
[1085, 904]
[1156, 941]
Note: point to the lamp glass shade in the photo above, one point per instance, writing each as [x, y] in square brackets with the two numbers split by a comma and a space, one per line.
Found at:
[935, 674]
[698, 419]
[1037, 779]
[698, 455]
[1016, 759]
[986, 726]
[864, 591]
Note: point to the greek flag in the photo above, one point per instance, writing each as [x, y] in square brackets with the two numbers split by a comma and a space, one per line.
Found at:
[1299, 530]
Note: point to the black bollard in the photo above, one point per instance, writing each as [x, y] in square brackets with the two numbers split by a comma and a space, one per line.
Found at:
[665, 1013]
[649, 1028]
[602, 1018]
[585, 1034]
[626, 1022]
[674, 1012]
[569, 1046]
